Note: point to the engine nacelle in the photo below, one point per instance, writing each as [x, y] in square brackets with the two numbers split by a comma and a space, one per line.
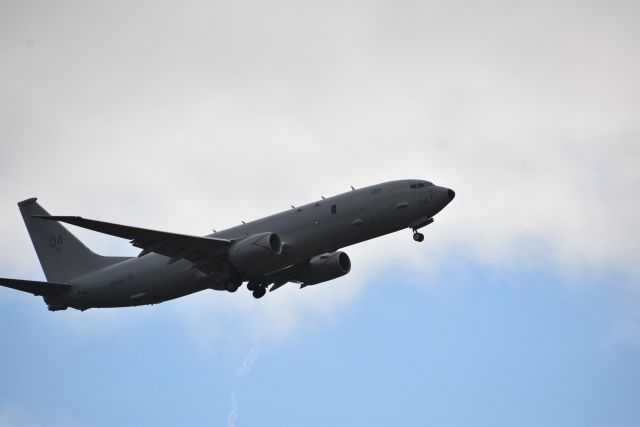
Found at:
[325, 267]
[255, 254]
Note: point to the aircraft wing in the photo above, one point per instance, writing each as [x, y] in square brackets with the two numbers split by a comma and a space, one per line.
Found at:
[35, 287]
[198, 250]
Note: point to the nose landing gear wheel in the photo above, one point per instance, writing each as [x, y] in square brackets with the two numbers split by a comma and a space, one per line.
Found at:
[418, 237]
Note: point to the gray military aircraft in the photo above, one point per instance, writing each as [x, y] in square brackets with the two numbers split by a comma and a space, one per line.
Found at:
[299, 245]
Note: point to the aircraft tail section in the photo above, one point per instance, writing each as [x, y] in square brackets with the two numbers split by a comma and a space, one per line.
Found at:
[62, 256]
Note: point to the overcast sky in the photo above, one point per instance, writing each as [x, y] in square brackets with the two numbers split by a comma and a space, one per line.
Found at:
[193, 116]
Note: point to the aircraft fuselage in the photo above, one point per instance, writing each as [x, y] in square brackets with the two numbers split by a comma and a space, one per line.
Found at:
[306, 231]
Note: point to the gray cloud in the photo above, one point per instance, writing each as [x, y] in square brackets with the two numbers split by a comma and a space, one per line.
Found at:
[199, 115]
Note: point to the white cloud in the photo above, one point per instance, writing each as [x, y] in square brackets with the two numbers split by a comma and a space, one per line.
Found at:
[243, 371]
[233, 412]
[198, 116]
[12, 415]
[250, 359]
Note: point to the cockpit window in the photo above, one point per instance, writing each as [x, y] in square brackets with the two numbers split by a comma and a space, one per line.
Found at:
[420, 185]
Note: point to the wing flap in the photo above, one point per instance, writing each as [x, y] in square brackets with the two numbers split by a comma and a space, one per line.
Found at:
[35, 287]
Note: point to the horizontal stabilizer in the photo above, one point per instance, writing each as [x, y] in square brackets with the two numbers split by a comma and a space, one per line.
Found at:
[36, 287]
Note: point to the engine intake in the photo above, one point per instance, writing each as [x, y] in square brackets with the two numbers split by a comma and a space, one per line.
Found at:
[254, 254]
[325, 267]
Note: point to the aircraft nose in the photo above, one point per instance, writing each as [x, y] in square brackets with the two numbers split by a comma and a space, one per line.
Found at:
[451, 193]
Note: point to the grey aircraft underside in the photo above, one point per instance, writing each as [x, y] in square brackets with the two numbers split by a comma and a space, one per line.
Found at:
[299, 245]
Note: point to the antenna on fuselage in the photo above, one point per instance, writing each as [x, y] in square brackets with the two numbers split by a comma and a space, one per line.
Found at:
[322, 197]
[353, 189]
[243, 222]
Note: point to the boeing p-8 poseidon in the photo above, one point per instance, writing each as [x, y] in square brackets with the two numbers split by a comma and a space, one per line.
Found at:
[299, 245]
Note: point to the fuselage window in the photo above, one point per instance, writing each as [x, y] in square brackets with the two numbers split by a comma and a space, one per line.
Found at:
[413, 186]
[334, 209]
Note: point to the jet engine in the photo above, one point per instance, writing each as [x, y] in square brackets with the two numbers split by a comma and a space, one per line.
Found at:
[325, 267]
[254, 255]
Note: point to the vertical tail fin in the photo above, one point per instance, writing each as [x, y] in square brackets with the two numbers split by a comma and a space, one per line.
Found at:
[62, 256]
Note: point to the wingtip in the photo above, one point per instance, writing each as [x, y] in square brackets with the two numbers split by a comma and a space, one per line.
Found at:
[27, 202]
